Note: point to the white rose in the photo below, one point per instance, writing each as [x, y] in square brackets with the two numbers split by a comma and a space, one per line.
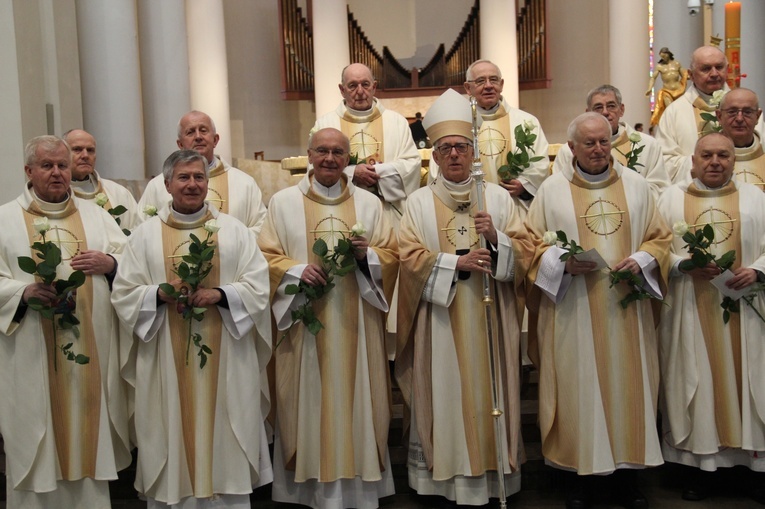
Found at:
[41, 224]
[529, 125]
[680, 228]
[635, 137]
[717, 97]
[357, 230]
[550, 238]
[150, 210]
[101, 199]
[212, 226]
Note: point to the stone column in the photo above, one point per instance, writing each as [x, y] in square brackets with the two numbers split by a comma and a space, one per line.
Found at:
[628, 57]
[208, 67]
[331, 52]
[11, 138]
[164, 75]
[111, 84]
[499, 43]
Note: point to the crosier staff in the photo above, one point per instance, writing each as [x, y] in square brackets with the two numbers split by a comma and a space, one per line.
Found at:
[488, 302]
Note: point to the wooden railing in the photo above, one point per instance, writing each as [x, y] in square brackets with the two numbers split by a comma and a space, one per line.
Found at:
[531, 27]
[445, 68]
[297, 52]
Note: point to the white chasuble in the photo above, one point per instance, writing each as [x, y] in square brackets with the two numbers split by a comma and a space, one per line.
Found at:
[714, 404]
[598, 361]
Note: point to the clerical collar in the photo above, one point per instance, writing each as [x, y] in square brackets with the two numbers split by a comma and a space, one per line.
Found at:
[47, 206]
[331, 192]
[493, 109]
[703, 187]
[87, 185]
[755, 140]
[705, 97]
[459, 187]
[588, 177]
[360, 113]
[212, 164]
[188, 218]
[619, 132]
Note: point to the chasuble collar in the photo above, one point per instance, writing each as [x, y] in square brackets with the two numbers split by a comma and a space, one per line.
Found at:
[494, 113]
[697, 188]
[215, 168]
[455, 195]
[30, 202]
[346, 190]
[751, 152]
[602, 180]
[87, 188]
[175, 219]
[357, 116]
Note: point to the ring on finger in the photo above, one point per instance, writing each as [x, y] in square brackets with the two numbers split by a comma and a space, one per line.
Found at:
[480, 263]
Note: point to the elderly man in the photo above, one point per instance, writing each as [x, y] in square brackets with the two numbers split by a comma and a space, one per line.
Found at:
[712, 371]
[682, 124]
[199, 409]
[229, 190]
[597, 360]
[332, 377]
[63, 411]
[496, 137]
[738, 114]
[443, 359]
[637, 152]
[87, 184]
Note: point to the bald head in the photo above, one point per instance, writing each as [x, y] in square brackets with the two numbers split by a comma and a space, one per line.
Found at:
[83, 146]
[709, 69]
[738, 114]
[358, 87]
[713, 160]
[196, 131]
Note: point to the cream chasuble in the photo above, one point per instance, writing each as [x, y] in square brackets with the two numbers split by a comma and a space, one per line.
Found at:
[714, 402]
[750, 164]
[332, 389]
[598, 362]
[443, 356]
[197, 387]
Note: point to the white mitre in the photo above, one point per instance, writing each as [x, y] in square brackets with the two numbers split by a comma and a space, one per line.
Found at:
[450, 115]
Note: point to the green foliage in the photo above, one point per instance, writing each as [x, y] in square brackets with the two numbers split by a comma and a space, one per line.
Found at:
[571, 247]
[49, 255]
[339, 262]
[637, 293]
[632, 155]
[519, 159]
[193, 269]
[712, 125]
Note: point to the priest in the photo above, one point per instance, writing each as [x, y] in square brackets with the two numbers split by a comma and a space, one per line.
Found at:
[712, 371]
[332, 378]
[199, 401]
[442, 363]
[739, 114]
[597, 359]
[63, 417]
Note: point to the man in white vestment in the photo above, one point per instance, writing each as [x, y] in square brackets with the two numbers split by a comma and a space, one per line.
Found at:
[384, 159]
[497, 138]
[738, 114]
[88, 185]
[64, 423]
[682, 124]
[597, 360]
[332, 380]
[230, 190]
[712, 372]
[607, 100]
[200, 401]
[442, 362]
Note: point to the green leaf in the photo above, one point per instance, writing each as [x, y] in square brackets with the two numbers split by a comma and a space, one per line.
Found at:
[126, 232]
[77, 278]
[291, 290]
[726, 316]
[81, 359]
[315, 326]
[709, 232]
[194, 239]
[699, 259]
[199, 311]
[208, 253]
[27, 264]
[202, 359]
[118, 210]
[67, 346]
[46, 270]
[320, 247]
[206, 349]
[726, 261]
[183, 271]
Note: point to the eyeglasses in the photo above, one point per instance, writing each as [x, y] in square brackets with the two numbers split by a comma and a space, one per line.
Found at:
[480, 82]
[611, 107]
[746, 112]
[445, 150]
[352, 86]
[324, 152]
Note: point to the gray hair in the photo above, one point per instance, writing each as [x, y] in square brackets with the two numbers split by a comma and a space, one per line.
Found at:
[47, 142]
[469, 72]
[184, 156]
[573, 127]
[604, 90]
[180, 121]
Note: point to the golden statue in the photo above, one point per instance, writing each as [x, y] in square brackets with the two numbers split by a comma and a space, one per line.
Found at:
[673, 78]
